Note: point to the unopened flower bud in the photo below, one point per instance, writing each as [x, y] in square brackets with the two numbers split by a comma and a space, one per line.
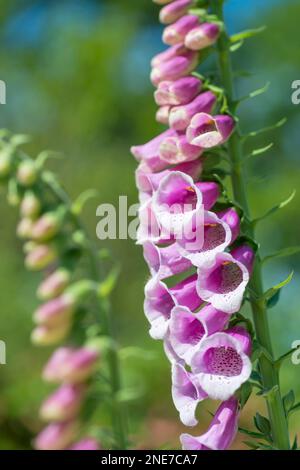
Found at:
[44, 335]
[64, 404]
[24, 228]
[5, 162]
[40, 257]
[48, 225]
[27, 173]
[71, 365]
[174, 11]
[55, 311]
[54, 284]
[203, 36]
[162, 115]
[30, 205]
[57, 436]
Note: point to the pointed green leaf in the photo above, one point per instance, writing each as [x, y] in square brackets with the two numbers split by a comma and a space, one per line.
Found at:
[236, 46]
[257, 435]
[261, 150]
[262, 424]
[295, 408]
[273, 301]
[245, 393]
[284, 253]
[274, 290]
[253, 445]
[295, 443]
[107, 286]
[79, 203]
[276, 208]
[266, 129]
[249, 33]
[289, 401]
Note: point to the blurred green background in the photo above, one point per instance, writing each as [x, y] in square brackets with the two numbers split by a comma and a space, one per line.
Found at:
[77, 81]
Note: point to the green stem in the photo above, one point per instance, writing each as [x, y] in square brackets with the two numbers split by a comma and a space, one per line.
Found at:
[118, 415]
[269, 372]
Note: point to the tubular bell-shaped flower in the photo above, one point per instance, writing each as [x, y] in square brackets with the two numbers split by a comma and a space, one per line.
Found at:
[180, 116]
[165, 261]
[177, 93]
[208, 131]
[223, 284]
[222, 362]
[174, 11]
[160, 300]
[221, 431]
[187, 329]
[176, 33]
[175, 68]
[203, 36]
[186, 394]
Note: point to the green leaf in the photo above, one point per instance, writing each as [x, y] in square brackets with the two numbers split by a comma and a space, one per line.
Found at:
[273, 301]
[254, 93]
[107, 286]
[266, 129]
[253, 445]
[44, 156]
[262, 424]
[276, 208]
[295, 443]
[257, 435]
[274, 290]
[295, 408]
[249, 33]
[236, 46]
[245, 393]
[289, 401]
[284, 253]
[260, 151]
[81, 200]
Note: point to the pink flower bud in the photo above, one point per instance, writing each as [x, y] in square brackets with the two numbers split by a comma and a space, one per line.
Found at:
[64, 404]
[168, 54]
[57, 436]
[175, 33]
[203, 36]
[175, 68]
[87, 443]
[174, 11]
[54, 284]
[55, 311]
[24, 228]
[244, 254]
[180, 116]
[162, 115]
[48, 225]
[149, 152]
[176, 149]
[39, 257]
[30, 205]
[71, 365]
[231, 218]
[180, 92]
[48, 335]
[208, 131]
[27, 173]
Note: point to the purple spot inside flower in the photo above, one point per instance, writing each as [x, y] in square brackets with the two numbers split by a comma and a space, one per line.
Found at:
[225, 278]
[223, 361]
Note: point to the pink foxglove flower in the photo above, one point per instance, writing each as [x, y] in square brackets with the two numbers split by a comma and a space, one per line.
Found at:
[186, 394]
[40, 257]
[168, 54]
[174, 11]
[162, 115]
[63, 405]
[178, 200]
[208, 131]
[44, 335]
[165, 261]
[203, 36]
[216, 237]
[71, 365]
[176, 32]
[54, 284]
[222, 363]
[221, 431]
[160, 300]
[187, 329]
[175, 68]
[55, 311]
[223, 284]
[176, 149]
[149, 153]
[180, 116]
[57, 436]
[177, 93]
[149, 182]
